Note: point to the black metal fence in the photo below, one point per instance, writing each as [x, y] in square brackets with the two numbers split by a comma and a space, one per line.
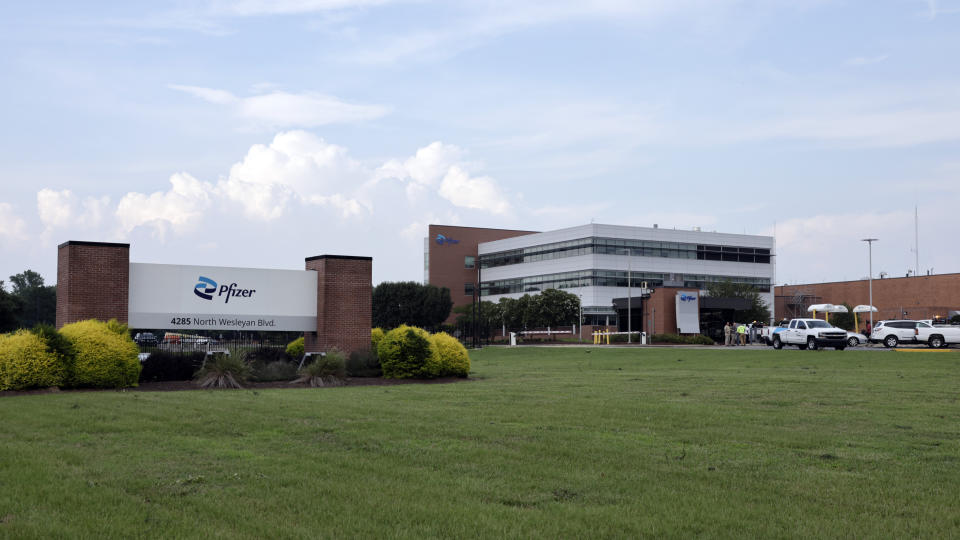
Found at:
[233, 345]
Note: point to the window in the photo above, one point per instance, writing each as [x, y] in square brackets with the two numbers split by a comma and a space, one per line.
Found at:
[469, 261]
[468, 289]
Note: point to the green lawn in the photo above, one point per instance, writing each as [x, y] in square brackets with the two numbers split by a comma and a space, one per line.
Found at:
[544, 442]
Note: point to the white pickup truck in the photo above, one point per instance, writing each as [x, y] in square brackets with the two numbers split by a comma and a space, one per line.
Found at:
[767, 332]
[938, 337]
[810, 334]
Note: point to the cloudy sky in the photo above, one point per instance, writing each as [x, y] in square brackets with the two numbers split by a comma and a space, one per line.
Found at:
[256, 133]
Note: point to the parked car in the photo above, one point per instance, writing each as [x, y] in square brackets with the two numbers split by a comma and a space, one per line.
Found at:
[854, 339]
[146, 339]
[895, 332]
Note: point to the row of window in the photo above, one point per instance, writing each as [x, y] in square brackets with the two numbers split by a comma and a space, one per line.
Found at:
[605, 278]
[620, 246]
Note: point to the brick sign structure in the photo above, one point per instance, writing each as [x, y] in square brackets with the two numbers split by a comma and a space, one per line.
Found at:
[94, 280]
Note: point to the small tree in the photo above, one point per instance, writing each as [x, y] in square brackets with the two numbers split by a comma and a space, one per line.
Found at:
[557, 308]
[408, 302]
[10, 308]
[38, 302]
[843, 320]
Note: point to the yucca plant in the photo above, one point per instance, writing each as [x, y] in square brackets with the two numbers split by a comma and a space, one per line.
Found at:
[325, 370]
[223, 371]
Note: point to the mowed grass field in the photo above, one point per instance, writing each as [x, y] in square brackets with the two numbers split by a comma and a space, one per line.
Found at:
[543, 442]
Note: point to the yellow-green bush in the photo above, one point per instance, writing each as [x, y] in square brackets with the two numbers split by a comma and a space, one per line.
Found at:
[27, 362]
[295, 348]
[407, 352]
[452, 355]
[106, 356]
[376, 334]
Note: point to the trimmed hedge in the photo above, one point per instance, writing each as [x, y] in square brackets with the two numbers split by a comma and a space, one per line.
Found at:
[295, 348]
[376, 334]
[408, 352]
[27, 362]
[452, 355]
[106, 356]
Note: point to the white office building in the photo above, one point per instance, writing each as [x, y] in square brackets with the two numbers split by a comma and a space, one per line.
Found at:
[595, 261]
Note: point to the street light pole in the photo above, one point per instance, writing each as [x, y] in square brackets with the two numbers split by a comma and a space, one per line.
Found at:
[629, 253]
[580, 320]
[629, 297]
[870, 242]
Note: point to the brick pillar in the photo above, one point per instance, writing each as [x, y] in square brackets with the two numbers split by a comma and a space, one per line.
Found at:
[93, 281]
[344, 303]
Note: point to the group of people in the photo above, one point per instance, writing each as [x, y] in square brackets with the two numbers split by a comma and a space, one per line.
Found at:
[736, 334]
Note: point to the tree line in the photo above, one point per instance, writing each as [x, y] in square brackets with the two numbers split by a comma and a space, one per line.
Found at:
[28, 303]
[428, 306]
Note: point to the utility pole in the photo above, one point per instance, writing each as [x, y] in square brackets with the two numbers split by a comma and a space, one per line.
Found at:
[870, 242]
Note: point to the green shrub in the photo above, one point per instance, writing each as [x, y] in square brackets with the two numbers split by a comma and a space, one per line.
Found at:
[453, 357]
[171, 366]
[325, 370]
[223, 371]
[699, 339]
[695, 339]
[278, 370]
[261, 355]
[295, 348]
[26, 362]
[376, 334]
[106, 357]
[363, 364]
[407, 352]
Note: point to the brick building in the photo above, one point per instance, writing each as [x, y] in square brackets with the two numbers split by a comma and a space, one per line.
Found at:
[450, 258]
[915, 297]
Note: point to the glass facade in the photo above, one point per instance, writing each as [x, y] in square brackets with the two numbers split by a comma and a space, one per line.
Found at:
[608, 278]
[620, 246]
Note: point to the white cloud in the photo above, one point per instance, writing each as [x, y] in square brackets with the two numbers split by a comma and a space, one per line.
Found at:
[62, 209]
[178, 209]
[438, 168]
[431, 163]
[296, 164]
[480, 192]
[295, 170]
[279, 109]
[12, 228]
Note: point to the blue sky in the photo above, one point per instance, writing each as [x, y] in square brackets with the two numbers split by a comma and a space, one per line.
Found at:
[253, 133]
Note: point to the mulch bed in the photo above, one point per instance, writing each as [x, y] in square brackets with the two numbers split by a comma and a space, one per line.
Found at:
[178, 386]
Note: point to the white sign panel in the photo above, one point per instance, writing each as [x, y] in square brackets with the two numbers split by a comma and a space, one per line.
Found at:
[688, 313]
[172, 296]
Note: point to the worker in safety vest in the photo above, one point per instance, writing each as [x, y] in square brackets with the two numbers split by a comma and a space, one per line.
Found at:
[742, 333]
